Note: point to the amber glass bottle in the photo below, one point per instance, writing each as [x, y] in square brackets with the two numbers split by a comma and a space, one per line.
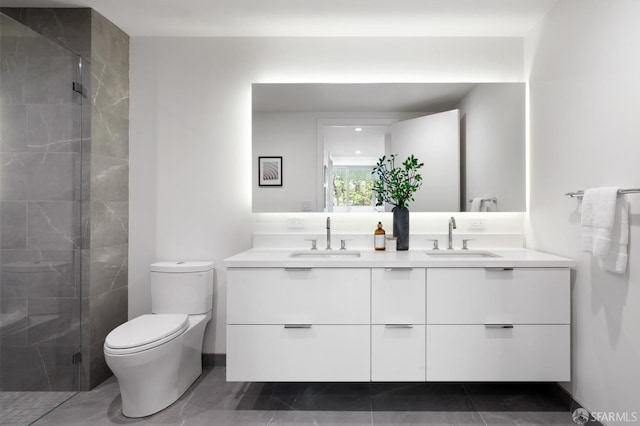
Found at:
[378, 237]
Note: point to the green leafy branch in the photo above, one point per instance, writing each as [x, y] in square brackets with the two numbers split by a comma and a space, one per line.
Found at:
[396, 185]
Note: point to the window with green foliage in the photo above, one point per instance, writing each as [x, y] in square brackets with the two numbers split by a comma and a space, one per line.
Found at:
[353, 187]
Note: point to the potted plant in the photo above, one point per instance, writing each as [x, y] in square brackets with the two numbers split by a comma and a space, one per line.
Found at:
[396, 186]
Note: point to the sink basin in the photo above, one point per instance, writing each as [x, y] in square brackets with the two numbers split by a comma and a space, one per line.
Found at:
[462, 253]
[325, 254]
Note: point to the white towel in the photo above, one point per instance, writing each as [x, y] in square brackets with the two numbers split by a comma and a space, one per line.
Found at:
[598, 215]
[490, 206]
[616, 259]
[475, 204]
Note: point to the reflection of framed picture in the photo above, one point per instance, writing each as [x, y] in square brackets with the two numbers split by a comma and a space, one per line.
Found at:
[270, 171]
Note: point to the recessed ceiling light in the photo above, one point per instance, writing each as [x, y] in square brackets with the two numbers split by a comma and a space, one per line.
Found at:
[357, 152]
[358, 129]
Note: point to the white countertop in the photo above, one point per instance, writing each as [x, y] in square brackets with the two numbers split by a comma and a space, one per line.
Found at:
[509, 258]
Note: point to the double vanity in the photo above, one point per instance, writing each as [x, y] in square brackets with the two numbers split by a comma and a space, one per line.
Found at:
[419, 315]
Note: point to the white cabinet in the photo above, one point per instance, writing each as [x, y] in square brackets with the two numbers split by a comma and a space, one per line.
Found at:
[498, 295]
[479, 353]
[498, 324]
[298, 324]
[298, 296]
[398, 330]
[302, 353]
[398, 324]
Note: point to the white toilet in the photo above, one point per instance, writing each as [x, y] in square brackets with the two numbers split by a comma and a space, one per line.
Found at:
[156, 357]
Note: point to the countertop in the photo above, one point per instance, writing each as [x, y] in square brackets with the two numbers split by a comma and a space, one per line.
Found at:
[417, 258]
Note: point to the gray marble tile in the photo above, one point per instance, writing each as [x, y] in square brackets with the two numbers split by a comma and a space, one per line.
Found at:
[419, 397]
[61, 374]
[107, 311]
[12, 83]
[514, 397]
[8, 44]
[53, 128]
[105, 269]
[110, 134]
[48, 78]
[67, 27]
[22, 369]
[208, 418]
[105, 224]
[13, 225]
[40, 176]
[32, 273]
[13, 128]
[54, 321]
[109, 44]
[37, 45]
[419, 418]
[101, 406]
[13, 322]
[22, 408]
[109, 177]
[321, 418]
[53, 225]
[10, 27]
[527, 418]
[98, 369]
[109, 89]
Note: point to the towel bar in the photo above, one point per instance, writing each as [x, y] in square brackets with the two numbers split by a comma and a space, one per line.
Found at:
[580, 194]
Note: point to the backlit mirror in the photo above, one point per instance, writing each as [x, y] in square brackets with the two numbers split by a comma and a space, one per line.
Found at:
[313, 145]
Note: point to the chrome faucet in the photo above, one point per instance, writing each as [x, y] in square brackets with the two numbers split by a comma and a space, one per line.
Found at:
[328, 233]
[452, 226]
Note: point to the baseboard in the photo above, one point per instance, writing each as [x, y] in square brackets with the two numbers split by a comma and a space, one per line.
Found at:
[571, 404]
[214, 360]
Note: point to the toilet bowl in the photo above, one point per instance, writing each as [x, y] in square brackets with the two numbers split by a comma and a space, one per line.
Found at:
[156, 357]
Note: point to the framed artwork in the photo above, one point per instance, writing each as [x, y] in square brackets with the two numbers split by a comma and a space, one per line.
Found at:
[270, 171]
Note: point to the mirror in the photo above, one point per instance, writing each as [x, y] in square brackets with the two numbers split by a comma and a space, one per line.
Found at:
[330, 135]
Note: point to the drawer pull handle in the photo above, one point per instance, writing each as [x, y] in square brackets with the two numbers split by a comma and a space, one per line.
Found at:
[498, 269]
[498, 325]
[297, 326]
[398, 325]
[400, 268]
[297, 269]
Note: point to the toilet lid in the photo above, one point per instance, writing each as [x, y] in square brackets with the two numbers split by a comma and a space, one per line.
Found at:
[147, 329]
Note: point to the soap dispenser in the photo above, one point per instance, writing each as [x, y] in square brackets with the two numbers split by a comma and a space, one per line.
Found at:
[379, 237]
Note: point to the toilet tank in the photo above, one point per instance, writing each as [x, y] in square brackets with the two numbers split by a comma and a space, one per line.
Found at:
[181, 287]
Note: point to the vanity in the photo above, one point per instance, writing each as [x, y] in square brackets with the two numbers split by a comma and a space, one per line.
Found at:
[398, 316]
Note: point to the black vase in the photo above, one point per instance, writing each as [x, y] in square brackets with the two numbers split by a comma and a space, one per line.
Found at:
[401, 227]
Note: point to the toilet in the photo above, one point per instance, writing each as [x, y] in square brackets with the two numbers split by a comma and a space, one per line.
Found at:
[157, 356]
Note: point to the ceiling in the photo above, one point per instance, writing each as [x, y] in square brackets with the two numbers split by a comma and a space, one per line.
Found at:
[366, 97]
[314, 18]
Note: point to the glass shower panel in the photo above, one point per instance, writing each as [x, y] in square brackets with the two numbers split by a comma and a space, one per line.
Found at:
[40, 217]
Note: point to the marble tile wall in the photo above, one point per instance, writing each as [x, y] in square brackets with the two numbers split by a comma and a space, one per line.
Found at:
[100, 169]
[40, 233]
[106, 217]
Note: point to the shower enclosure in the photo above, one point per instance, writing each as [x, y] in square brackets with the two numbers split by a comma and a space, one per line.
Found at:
[41, 193]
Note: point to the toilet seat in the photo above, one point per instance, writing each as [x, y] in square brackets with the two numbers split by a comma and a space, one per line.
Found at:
[145, 332]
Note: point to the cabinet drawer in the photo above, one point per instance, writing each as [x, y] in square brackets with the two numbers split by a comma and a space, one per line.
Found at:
[398, 296]
[397, 353]
[319, 353]
[306, 296]
[477, 353]
[487, 295]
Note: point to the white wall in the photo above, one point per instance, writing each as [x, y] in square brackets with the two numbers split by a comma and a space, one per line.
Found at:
[191, 130]
[494, 138]
[584, 66]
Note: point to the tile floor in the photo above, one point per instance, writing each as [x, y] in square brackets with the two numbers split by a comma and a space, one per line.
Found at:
[213, 401]
[17, 408]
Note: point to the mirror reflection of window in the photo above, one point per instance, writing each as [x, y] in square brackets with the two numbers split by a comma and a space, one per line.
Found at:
[353, 189]
[351, 151]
